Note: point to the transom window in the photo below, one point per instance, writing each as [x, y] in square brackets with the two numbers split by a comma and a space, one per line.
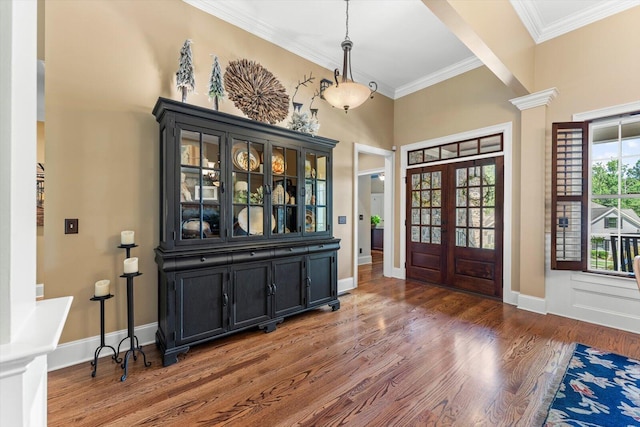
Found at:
[469, 147]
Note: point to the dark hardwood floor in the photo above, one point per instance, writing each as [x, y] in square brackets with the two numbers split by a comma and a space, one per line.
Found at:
[397, 353]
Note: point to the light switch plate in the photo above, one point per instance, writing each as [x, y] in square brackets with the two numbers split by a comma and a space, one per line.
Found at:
[71, 226]
[342, 220]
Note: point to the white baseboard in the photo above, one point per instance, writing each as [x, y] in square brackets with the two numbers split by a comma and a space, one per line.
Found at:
[345, 285]
[534, 304]
[40, 290]
[399, 273]
[74, 352]
[365, 260]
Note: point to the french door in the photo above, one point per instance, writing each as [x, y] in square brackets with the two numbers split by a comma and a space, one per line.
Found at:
[454, 225]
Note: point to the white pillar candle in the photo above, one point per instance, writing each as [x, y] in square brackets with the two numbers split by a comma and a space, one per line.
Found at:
[102, 288]
[131, 265]
[126, 237]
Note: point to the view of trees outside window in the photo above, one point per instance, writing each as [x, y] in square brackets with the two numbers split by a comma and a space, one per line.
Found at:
[615, 194]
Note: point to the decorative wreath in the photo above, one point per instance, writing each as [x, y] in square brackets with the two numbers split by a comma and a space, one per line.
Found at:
[256, 92]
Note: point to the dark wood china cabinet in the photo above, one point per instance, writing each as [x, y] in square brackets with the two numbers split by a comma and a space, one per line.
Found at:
[246, 233]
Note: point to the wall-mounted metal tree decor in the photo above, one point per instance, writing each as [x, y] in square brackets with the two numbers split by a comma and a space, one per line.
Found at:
[185, 80]
[216, 87]
[256, 92]
[301, 121]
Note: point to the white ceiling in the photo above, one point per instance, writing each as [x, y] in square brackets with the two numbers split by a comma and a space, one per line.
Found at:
[399, 44]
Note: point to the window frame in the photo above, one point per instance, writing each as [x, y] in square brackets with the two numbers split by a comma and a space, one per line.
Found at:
[557, 263]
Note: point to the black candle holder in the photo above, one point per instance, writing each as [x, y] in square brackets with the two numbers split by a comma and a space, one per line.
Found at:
[134, 345]
[102, 299]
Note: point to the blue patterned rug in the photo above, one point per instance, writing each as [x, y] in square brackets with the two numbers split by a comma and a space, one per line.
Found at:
[598, 389]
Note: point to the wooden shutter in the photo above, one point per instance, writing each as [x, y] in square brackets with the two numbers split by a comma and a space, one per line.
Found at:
[569, 196]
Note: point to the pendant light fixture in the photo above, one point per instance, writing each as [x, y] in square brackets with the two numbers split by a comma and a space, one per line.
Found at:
[346, 93]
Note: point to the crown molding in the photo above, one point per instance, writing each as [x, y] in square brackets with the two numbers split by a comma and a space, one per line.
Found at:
[228, 13]
[439, 76]
[530, 17]
[537, 99]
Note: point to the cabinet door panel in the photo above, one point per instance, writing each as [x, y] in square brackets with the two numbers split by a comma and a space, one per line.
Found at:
[201, 304]
[322, 278]
[289, 286]
[251, 294]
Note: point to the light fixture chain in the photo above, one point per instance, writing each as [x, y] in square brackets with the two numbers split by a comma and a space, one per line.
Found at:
[346, 37]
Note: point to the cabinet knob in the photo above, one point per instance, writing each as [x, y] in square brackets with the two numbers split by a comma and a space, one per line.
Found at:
[203, 259]
[252, 253]
[290, 249]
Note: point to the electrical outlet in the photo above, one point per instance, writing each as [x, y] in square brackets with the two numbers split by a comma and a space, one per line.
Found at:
[71, 226]
[342, 219]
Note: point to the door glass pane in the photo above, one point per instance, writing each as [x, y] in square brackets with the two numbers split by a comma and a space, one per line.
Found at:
[488, 218]
[436, 180]
[425, 236]
[461, 197]
[426, 217]
[415, 182]
[321, 168]
[436, 216]
[211, 221]
[189, 148]
[279, 217]
[474, 237]
[310, 165]
[474, 175]
[489, 174]
[322, 193]
[415, 234]
[436, 235]
[461, 237]
[461, 177]
[474, 196]
[488, 239]
[488, 196]
[474, 217]
[426, 198]
[461, 217]
[291, 162]
[310, 219]
[436, 198]
[321, 219]
[426, 181]
[415, 216]
[415, 199]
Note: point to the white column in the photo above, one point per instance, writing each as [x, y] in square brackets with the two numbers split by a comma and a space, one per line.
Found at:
[28, 330]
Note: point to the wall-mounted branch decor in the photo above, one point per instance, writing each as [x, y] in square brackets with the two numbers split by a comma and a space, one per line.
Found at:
[256, 92]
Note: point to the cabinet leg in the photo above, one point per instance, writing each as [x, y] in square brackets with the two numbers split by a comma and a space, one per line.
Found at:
[271, 326]
[335, 305]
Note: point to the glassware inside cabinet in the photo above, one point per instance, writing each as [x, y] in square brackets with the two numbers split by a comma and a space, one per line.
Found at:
[284, 166]
[199, 185]
[315, 192]
[248, 188]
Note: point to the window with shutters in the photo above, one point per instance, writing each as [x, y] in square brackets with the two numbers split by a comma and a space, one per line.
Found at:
[596, 195]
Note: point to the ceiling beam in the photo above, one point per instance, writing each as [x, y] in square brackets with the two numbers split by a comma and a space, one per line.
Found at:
[492, 30]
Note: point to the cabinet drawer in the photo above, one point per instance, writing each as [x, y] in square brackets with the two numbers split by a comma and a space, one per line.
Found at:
[252, 255]
[292, 250]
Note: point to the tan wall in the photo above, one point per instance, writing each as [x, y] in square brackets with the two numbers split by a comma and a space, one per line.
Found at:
[470, 101]
[107, 63]
[594, 67]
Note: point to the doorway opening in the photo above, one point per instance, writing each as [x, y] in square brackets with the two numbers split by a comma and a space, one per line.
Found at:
[383, 164]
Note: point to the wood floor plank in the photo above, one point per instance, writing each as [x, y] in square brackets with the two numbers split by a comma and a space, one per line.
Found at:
[396, 353]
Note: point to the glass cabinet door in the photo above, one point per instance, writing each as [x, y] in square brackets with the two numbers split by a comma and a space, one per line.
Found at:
[200, 172]
[316, 193]
[284, 176]
[248, 184]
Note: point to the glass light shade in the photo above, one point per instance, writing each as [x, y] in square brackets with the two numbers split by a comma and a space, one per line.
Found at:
[347, 94]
